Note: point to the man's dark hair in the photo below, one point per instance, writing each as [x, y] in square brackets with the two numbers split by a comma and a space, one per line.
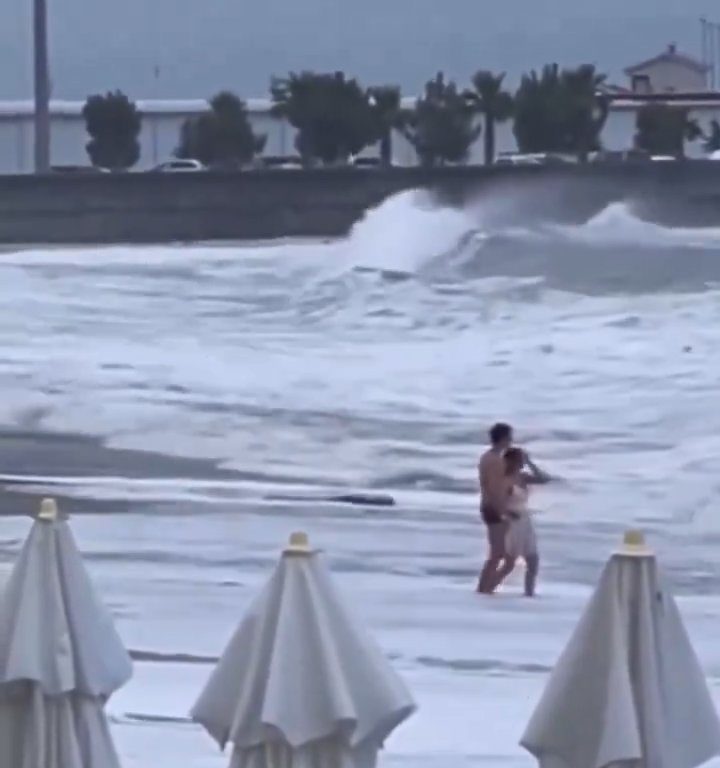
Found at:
[500, 432]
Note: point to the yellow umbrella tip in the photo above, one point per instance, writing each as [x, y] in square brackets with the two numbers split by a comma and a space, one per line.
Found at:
[48, 510]
[634, 544]
[634, 539]
[299, 544]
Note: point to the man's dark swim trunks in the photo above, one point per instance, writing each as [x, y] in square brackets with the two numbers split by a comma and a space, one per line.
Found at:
[490, 515]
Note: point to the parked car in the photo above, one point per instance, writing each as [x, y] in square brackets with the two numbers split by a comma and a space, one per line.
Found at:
[180, 166]
[614, 156]
[366, 162]
[536, 158]
[280, 161]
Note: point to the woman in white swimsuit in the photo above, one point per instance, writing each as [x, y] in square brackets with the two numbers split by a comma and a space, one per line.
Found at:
[521, 537]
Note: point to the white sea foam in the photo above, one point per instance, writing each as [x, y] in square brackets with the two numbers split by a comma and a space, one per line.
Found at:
[375, 363]
[619, 225]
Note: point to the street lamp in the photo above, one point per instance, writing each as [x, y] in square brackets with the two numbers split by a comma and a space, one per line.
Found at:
[42, 87]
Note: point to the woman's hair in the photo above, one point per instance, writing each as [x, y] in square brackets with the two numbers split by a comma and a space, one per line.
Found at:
[514, 459]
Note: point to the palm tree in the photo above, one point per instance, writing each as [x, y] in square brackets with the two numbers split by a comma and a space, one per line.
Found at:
[330, 112]
[561, 110]
[441, 126]
[495, 104]
[385, 103]
[591, 107]
[663, 129]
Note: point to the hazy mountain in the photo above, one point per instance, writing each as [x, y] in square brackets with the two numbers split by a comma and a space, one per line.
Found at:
[200, 47]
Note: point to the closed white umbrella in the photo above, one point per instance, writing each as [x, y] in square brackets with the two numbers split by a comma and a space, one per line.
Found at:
[300, 685]
[60, 657]
[628, 689]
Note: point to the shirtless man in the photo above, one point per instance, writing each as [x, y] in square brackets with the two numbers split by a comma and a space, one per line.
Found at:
[493, 506]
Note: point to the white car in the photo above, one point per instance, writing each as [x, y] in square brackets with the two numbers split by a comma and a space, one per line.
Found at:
[514, 158]
[180, 166]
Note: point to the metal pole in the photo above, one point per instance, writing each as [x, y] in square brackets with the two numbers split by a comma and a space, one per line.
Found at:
[154, 115]
[42, 87]
[703, 46]
[716, 61]
[711, 55]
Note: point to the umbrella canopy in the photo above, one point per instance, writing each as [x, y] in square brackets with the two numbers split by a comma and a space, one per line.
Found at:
[60, 657]
[628, 687]
[300, 684]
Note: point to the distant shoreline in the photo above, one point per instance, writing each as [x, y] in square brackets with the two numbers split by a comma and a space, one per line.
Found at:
[36, 464]
[28, 456]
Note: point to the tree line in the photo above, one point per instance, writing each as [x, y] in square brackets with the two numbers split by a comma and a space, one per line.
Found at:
[554, 110]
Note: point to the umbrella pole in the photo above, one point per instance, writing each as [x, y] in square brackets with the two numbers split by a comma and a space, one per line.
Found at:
[269, 762]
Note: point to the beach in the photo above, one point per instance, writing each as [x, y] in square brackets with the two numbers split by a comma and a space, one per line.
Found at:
[191, 406]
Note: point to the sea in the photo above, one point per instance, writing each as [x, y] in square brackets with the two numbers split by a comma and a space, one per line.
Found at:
[303, 371]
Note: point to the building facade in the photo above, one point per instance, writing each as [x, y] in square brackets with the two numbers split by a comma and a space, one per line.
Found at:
[161, 124]
[671, 76]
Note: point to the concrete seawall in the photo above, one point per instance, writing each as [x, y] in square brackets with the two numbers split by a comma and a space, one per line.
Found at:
[147, 207]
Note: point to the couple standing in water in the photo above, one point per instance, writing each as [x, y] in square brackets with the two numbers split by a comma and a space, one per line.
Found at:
[506, 475]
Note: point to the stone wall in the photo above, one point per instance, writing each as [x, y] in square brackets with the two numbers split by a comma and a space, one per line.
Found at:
[148, 207]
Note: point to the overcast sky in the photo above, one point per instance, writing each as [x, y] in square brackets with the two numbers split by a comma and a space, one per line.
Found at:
[203, 46]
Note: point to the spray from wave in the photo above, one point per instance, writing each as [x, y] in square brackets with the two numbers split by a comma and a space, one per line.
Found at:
[618, 224]
[409, 235]
[405, 232]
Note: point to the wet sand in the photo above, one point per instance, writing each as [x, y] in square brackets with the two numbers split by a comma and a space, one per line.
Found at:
[26, 456]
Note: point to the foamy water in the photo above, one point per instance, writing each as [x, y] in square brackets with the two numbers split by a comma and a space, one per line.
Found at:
[375, 364]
